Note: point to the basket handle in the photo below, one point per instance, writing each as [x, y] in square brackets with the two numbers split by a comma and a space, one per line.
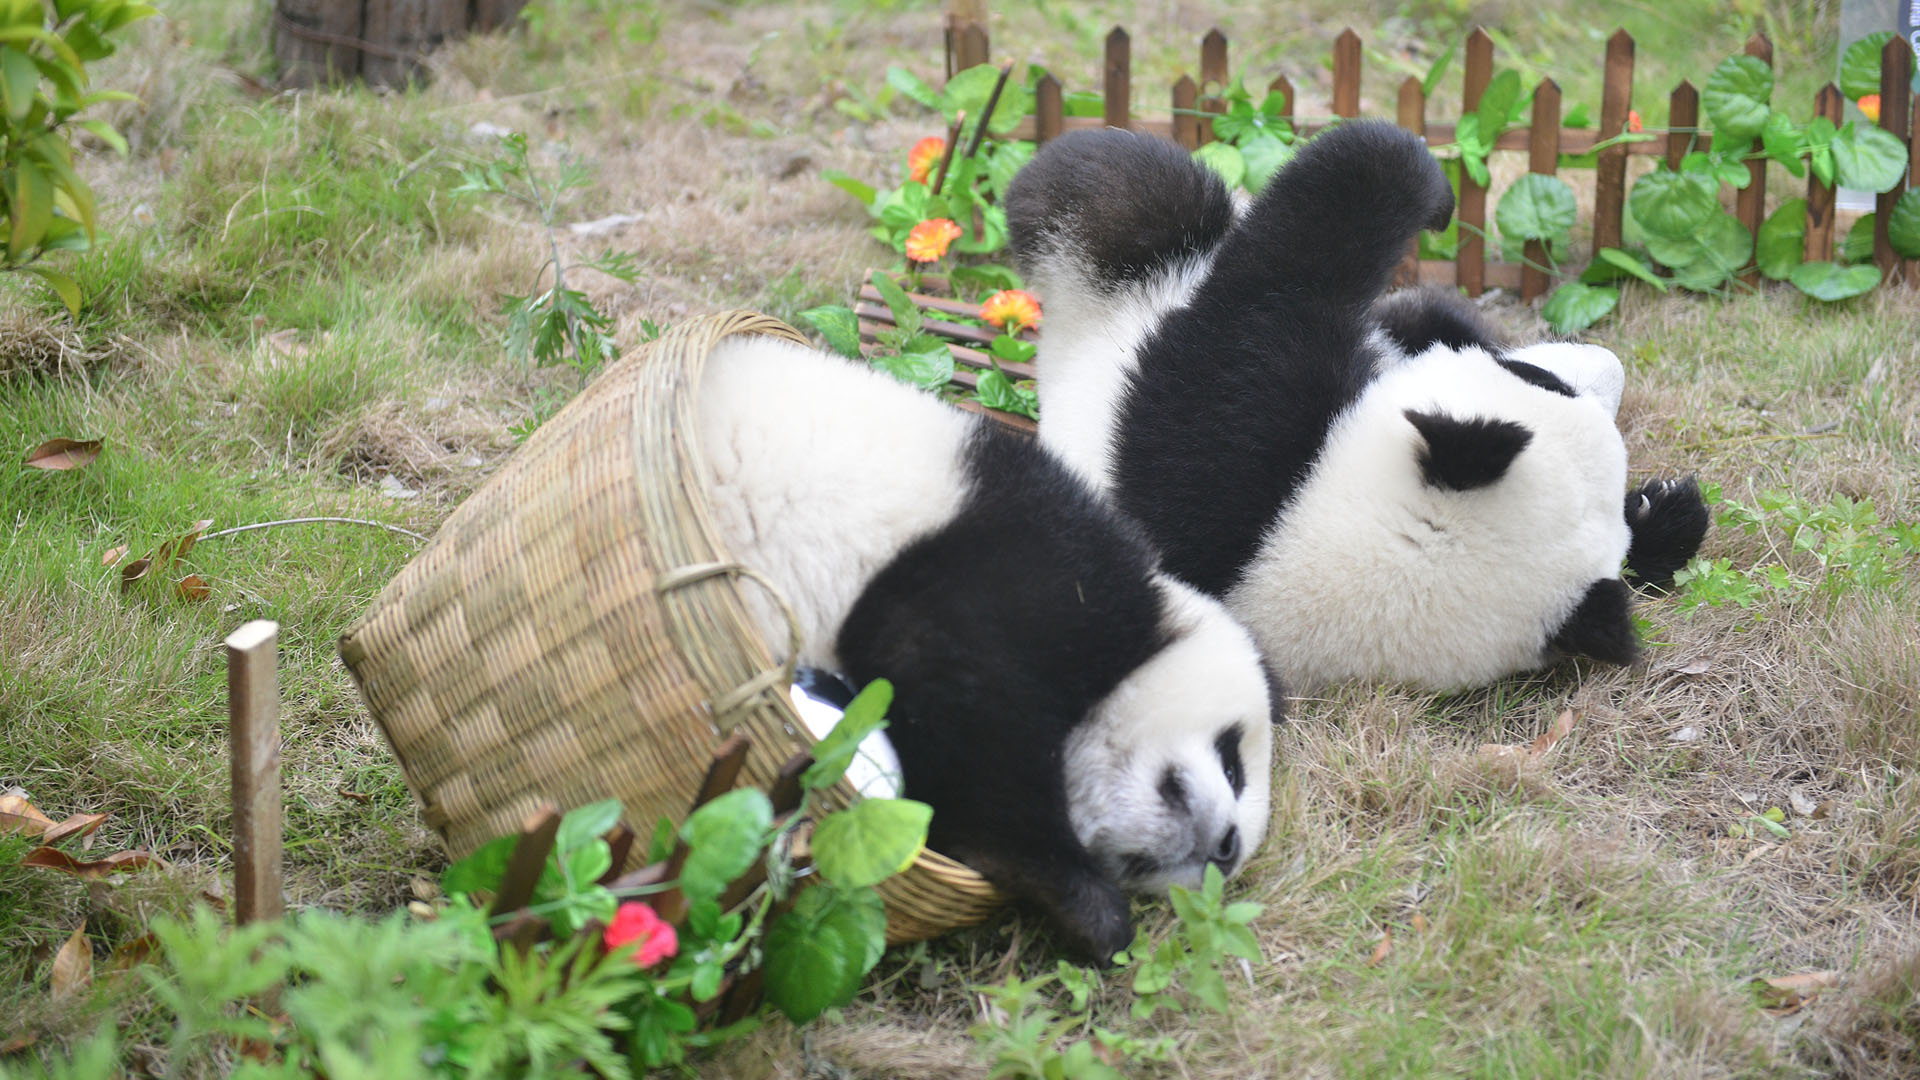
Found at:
[766, 680]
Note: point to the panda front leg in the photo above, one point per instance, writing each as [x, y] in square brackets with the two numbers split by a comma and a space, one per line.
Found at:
[1088, 912]
[1668, 519]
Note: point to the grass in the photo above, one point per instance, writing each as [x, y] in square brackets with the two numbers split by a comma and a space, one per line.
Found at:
[289, 308]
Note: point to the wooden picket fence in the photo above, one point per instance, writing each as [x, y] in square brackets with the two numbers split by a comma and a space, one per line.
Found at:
[1543, 140]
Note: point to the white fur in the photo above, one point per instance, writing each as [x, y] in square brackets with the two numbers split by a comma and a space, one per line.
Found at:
[1168, 713]
[1087, 350]
[797, 499]
[1371, 573]
[1586, 369]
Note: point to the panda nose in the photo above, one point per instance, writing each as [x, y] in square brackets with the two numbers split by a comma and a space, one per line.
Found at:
[1227, 852]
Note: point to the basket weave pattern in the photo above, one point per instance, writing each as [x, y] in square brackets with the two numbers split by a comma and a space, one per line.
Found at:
[576, 631]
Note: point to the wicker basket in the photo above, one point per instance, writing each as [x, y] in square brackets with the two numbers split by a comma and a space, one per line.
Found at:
[575, 631]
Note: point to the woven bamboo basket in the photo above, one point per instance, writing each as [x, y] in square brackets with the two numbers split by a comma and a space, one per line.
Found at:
[576, 631]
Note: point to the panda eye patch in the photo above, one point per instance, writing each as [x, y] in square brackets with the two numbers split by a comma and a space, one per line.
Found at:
[1227, 745]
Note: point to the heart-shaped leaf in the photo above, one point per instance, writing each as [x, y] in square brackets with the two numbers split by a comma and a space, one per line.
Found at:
[1784, 142]
[838, 325]
[929, 366]
[968, 91]
[1782, 242]
[1223, 158]
[1860, 65]
[1673, 205]
[1903, 224]
[58, 455]
[723, 837]
[1575, 306]
[1537, 207]
[1868, 158]
[1857, 245]
[1829, 282]
[817, 953]
[582, 825]
[870, 841]
[1736, 97]
[1629, 265]
[1263, 155]
[864, 715]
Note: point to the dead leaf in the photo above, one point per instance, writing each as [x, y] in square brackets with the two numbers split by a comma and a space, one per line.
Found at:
[54, 859]
[113, 555]
[193, 588]
[73, 964]
[1562, 727]
[1802, 805]
[1697, 667]
[58, 455]
[357, 796]
[424, 888]
[169, 553]
[17, 1044]
[134, 571]
[1788, 994]
[1419, 923]
[17, 815]
[1383, 949]
[133, 953]
[77, 825]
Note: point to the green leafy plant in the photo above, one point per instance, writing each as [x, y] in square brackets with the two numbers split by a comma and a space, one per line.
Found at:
[1251, 141]
[44, 52]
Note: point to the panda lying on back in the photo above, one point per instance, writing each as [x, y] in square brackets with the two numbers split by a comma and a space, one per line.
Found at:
[1080, 722]
[1377, 492]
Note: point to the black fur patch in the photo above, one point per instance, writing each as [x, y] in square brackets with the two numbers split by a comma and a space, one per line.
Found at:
[1001, 631]
[1235, 392]
[1601, 627]
[1418, 319]
[1461, 455]
[1227, 746]
[1538, 376]
[1668, 519]
[1127, 203]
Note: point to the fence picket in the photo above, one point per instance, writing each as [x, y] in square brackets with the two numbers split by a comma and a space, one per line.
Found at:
[1411, 114]
[1471, 260]
[1049, 109]
[1282, 85]
[1346, 74]
[1119, 78]
[1683, 111]
[1186, 125]
[1896, 71]
[1610, 183]
[1819, 243]
[1213, 78]
[1750, 202]
[970, 46]
[1543, 157]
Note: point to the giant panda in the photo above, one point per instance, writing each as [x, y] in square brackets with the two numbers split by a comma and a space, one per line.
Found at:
[1082, 724]
[1376, 487]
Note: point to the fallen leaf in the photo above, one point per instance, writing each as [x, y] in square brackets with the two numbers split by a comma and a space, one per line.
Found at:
[1697, 667]
[1788, 994]
[1383, 949]
[1419, 923]
[77, 825]
[1685, 734]
[424, 888]
[193, 587]
[61, 454]
[17, 815]
[1562, 727]
[169, 553]
[1802, 805]
[134, 571]
[357, 796]
[17, 1044]
[113, 555]
[54, 859]
[73, 964]
[133, 953]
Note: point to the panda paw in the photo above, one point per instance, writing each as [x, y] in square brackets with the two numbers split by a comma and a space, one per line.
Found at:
[1667, 519]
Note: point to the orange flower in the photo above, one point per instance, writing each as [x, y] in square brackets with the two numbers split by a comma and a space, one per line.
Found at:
[1633, 119]
[1012, 310]
[1870, 105]
[924, 156]
[636, 922]
[929, 240]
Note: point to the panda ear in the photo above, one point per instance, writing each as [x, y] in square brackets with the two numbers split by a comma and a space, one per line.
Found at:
[1461, 455]
[1601, 627]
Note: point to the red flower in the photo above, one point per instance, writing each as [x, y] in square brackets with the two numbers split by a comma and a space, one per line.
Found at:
[635, 921]
[1012, 310]
[924, 156]
[1633, 119]
[929, 240]
[1870, 105]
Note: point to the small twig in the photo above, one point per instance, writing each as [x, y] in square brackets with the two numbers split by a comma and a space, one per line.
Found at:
[986, 114]
[1748, 440]
[946, 159]
[311, 520]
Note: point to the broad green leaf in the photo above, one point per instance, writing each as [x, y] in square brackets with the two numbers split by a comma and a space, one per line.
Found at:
[1723, 244]
[1438, 70]
[993, 234]
[1868, 158]
[1223, 158]
[905, 206]
[1782, 242]
[838, 325]
[31, 195]
[969, 90]
[864, 715]
[1575, 306]
[1577, 117]
[996, 391]
[1496, 103]
[1007, 161]
[1857, 245]
[859, 190]
[906, 314]
[1903, 225]
[1860, 65]
[1784, 142]
[105, 133]
[989, 277]
[61, 284]
[1702, 275]
[1631, 265]
[870, 841]
[587, 863]
[1263, 156]
[1736, 97]
[1821, 162]
[1011, 349]
[929, 367]
[584, 824]
[817, 954]
[1673, 205]
[19, 81]
[1537, 207]
[481, 870]
[1829, 282]
[724, 838]
[906, 82]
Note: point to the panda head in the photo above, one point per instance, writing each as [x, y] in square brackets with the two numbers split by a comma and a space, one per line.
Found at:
[1171, 771]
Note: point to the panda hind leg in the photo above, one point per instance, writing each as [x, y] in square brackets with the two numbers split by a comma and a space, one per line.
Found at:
[1668, 519]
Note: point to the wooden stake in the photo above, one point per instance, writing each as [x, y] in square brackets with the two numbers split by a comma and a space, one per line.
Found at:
[1896, 73]
[253, 711]
[1412, 115]
[1610, 183]
[1346, 74]
[1119, 84]
[1213, 80]
[1543, 157]
[1819, 245]
[1471, 259]
[1750, 202]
